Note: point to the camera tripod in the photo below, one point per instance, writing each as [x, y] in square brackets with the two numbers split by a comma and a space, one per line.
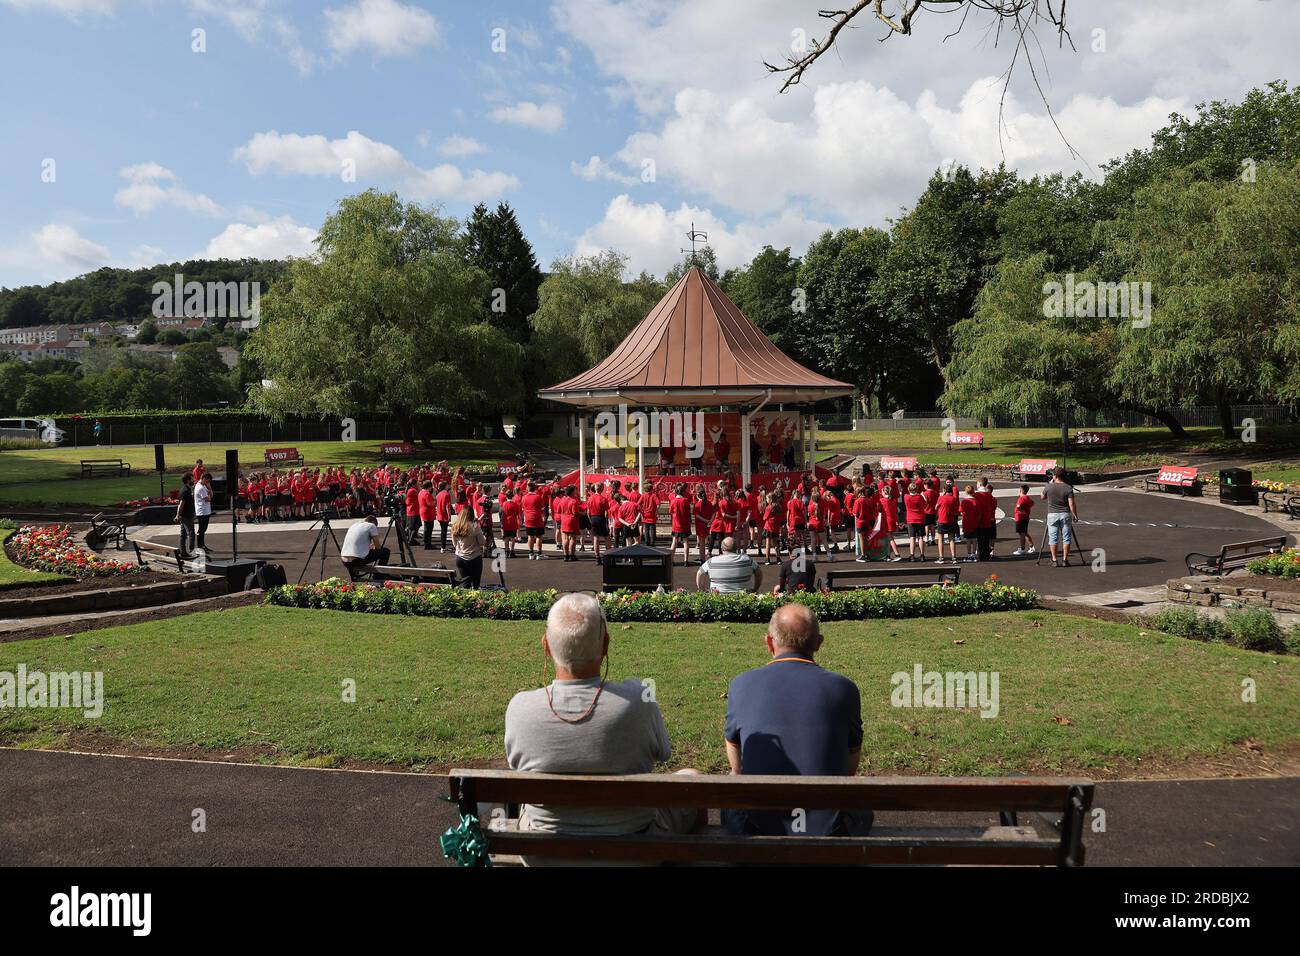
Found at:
[323, 536]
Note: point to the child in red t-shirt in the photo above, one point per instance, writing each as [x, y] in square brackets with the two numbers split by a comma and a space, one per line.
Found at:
[946, 510]
[1024, 505]
[914, 511]
[971, 517]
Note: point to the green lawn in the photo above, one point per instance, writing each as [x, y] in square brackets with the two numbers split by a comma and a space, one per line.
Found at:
[1151, 446]
[1288, 473]
[16, 576]
[433, 692]
[51, 476]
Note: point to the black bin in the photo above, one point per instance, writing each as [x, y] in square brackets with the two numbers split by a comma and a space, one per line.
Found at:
[637, 567]
[1236, 487]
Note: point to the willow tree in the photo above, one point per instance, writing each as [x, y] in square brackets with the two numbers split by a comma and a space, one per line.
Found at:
[386, 316]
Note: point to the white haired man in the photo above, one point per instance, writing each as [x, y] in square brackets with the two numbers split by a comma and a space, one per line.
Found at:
[583, 724]
[791, 717]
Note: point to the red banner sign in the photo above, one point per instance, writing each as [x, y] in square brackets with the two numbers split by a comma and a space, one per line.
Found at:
[395, 449]
[1092, 438]
[507, 468]
[1176, 475]
[897, 464]
[966, 438]
[664, 484]
[282, 454]
[1036, 466]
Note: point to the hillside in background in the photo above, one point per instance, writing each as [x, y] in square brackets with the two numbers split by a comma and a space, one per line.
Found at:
[121, 294]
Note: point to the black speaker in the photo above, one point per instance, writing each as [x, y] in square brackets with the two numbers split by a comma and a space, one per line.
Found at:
[232, 468]
[236, 571]
[158, 461]
[637, 567]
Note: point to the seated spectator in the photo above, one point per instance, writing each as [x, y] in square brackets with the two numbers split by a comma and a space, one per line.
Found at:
[730, 572]
[361, 545]
[791, 717]
[583, 724]
[797, 574]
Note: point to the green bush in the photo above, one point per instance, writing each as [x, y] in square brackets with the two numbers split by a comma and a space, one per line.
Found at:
[670, 606]
[1255, 629]
[21, 444]
[1284, 564]
[1185, 622]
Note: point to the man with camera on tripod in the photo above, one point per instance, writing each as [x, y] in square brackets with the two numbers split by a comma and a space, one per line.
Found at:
[361, 545]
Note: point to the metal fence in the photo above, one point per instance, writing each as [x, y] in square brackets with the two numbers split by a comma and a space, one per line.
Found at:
[1189, 417]
[123, 433]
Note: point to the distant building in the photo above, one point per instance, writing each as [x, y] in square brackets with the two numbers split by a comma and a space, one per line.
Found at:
[71, 349]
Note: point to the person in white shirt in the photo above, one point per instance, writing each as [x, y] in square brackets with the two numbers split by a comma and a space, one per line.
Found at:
[361, 544]
[203, 508]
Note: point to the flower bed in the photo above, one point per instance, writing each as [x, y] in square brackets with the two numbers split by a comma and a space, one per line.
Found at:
[171, 499]
[682, 606]
[1261, 484]
[1284, 564]
[50, 548]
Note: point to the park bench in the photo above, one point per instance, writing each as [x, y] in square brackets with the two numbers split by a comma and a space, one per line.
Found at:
[282, 456]
[1282, 501]
[155, 549]
[965, 440]
[1170, 477]
[1092, 438]
[109, 529]
[443, 577]
[1001, 845]
[1232, 556]
[1033, 468]
[107, 467]
[917, 575]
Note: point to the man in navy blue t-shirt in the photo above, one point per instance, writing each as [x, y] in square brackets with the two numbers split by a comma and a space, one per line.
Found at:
[792, 717]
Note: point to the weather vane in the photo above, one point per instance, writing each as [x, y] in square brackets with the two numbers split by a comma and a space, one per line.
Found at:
[695, 235]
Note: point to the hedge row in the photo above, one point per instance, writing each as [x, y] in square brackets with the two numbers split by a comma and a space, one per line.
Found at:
[1253, 629]
[676, 606]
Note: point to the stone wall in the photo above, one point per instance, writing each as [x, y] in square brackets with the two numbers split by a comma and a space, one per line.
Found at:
[1251, 590]
[115, 599]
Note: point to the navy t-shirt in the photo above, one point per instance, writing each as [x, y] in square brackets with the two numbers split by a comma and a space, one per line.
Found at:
[792, 717]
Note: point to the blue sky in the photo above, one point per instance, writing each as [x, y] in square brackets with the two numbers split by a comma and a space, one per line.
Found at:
[162, 153]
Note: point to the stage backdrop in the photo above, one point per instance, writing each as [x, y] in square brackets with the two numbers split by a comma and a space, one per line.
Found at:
[772, 436]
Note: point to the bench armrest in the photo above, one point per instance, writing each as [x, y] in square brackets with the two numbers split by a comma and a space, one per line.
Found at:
[1210, 561]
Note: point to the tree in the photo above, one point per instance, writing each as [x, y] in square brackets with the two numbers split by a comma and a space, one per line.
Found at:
[940, 255]
[585, 309]
[199, 376]
[148, 333]
[495, 243]
[765, 291]
[1223, 262]
[705, 258]
[13, 381]
[50, 394]
[172, 337]
[387, 314]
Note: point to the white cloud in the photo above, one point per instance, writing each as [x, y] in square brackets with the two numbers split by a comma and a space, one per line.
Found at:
[275, 239]
[651, 235]
[146, 255]
[545, 117]
[72, 9]
[460, 146]
[384, 27]
[596, 168]
[63, 246]
[371, 160]
[153, 185]
[255, 23]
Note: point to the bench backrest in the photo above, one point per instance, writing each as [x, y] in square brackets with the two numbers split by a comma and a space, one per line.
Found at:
[966, 438]
[894, 463]
[1070, 797]
[1036, 466]
[282, 454]
[1176, 475]
[1249, 549]
[397, 449]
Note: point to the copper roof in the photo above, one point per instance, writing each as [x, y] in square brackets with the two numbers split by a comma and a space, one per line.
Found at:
[695, 348]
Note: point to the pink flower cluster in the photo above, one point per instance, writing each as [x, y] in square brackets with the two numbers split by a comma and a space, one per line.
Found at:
[51, 548]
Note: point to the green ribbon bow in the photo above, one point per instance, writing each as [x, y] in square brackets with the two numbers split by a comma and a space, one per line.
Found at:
[465, 843]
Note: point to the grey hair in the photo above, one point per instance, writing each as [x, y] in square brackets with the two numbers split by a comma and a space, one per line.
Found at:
[728, 545]
[575, 631]
[794, 627]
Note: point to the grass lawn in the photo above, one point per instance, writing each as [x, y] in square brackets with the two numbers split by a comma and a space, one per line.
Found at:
[1288, 473]
[1008, 445]
[51, 476]
[16, 576]
[1074, 694]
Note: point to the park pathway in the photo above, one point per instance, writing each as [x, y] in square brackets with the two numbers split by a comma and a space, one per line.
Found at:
[69, 809]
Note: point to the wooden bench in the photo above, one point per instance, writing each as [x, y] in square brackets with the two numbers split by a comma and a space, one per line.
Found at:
[157, 548]
[1040, 468]
[965, 440]
[1282, 501]
[922, 575]
[109, 529]
[1170, 477]
[442, 577]
[1092, 438]
[107, 467]
[1001, 845]
[1232, 556]
[282, 456]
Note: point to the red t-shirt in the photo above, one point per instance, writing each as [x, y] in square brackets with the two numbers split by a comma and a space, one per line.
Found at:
[530, 506]
[412, 502]
[815, 510]
[865, 511]
[1024, 505]
[946, 508]
[931, 496]
[794, 513]
[988, 508]
[970, 515]
[510, 515]
[724, 516]
[627, 513]
[566, 514]
[833, 509]
[772, 519]
[425, 501]
[680, 510]
[597, 504]
[649, 507]
[703, 514]
[915, 508]
[443, 505]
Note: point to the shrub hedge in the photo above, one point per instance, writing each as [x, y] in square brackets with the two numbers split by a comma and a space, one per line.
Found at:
[1253, 629]
[681, 606]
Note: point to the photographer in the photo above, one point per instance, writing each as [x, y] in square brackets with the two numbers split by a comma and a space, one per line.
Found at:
[361, 544]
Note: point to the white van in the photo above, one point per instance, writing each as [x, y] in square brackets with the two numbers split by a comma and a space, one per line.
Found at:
[41, 429]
